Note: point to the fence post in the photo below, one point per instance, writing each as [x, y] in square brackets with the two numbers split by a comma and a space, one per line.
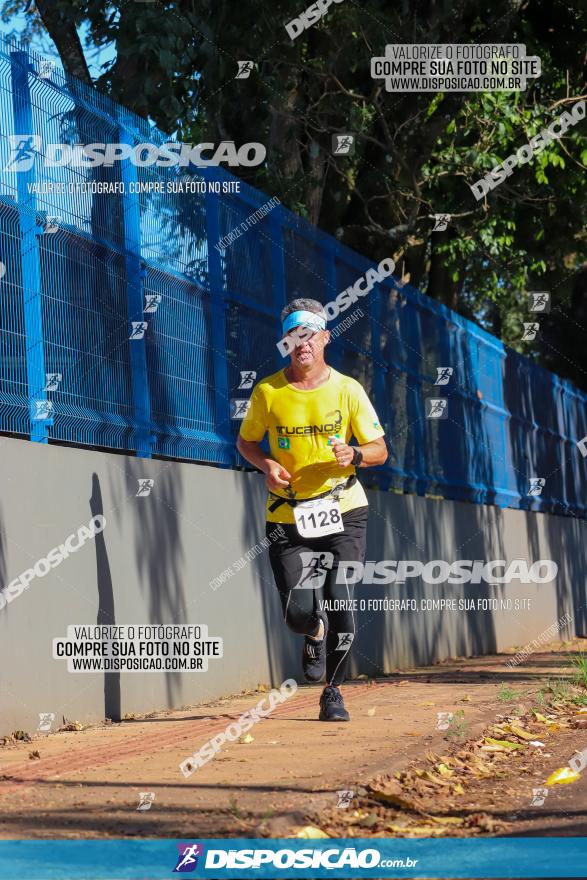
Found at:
[278, 290]
[335, 351]
[218, 306]
[416, 408]
[135, 300]
[379, 371]
[39, 408]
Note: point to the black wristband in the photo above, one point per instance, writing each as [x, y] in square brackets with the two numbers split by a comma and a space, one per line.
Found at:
[357, 457]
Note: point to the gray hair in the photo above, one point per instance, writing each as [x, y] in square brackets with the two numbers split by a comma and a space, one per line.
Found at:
[305, 305]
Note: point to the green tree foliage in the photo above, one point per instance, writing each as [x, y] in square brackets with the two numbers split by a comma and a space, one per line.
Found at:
[175, 61]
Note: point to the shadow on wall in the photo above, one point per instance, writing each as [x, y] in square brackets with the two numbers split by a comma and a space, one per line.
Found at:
[563, 540]
[106, 610]
[535, 454]
[402, 528]
[386, 639]
[399, 528]
[430, 454]
[158, 547]
[3, 574]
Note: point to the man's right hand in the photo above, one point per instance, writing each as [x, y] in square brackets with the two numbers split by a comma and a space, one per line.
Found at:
[276, 476]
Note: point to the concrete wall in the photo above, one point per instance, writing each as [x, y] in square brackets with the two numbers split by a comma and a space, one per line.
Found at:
[155, 559]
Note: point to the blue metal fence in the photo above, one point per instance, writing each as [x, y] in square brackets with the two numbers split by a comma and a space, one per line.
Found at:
[122, 326]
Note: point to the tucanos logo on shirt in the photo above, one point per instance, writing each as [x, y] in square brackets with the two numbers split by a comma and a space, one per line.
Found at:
[331, 425]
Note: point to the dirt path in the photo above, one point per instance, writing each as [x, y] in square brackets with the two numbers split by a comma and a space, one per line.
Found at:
[87, 783]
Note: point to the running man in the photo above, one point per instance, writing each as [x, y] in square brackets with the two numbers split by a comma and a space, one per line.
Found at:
[310, 412]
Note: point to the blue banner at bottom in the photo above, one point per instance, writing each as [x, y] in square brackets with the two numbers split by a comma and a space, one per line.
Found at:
[240, 857]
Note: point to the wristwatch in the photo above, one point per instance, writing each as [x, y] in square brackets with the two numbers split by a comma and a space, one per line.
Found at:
[357, 457]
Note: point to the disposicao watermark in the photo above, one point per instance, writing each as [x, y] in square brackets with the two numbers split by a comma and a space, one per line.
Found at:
[306, 19]
[237, 728]
[341, 303]
[53, 558]
[251, 553]
[544, 637]
[455, 67]
[251, 220]
[137, 647]
[346, 323]
[526, 152]
[437, 571]
[25, 148]
[323, 859]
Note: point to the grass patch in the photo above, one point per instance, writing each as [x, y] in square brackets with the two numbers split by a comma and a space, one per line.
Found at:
[580, 669]
[458, 726]
[507, 694]
[560, 688]
[234, 808]
[21, 735]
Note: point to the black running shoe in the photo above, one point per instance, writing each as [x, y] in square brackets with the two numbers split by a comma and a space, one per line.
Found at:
[332, 706]
[314, 656]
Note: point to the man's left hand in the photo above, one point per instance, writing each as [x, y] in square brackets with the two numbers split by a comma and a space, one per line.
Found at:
[344, 454]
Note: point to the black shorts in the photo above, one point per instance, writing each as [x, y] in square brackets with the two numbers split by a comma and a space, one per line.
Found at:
[306, 571]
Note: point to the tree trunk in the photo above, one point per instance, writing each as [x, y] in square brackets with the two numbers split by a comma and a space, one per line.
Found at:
[62, 30]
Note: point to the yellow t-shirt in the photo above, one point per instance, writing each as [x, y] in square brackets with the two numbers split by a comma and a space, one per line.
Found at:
[299, 423]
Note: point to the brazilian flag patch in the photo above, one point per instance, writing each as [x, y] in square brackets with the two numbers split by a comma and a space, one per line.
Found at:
[283, 442]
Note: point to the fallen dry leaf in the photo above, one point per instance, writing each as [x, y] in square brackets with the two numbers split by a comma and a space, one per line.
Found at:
[417, 830]
[447, 820]
[311, 832]
[435, 779]
[563, 776]
[518, 731]
[504, 743]
[71, 725]
[486, 822]
[391, 792]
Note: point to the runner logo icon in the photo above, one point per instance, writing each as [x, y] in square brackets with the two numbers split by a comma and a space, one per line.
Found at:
[188, 857]
[146, 798]
[247, 378]
[437, 408]
[315, 568]
[444, 374]
[345, 641]
[345, 797]
[24, 148]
